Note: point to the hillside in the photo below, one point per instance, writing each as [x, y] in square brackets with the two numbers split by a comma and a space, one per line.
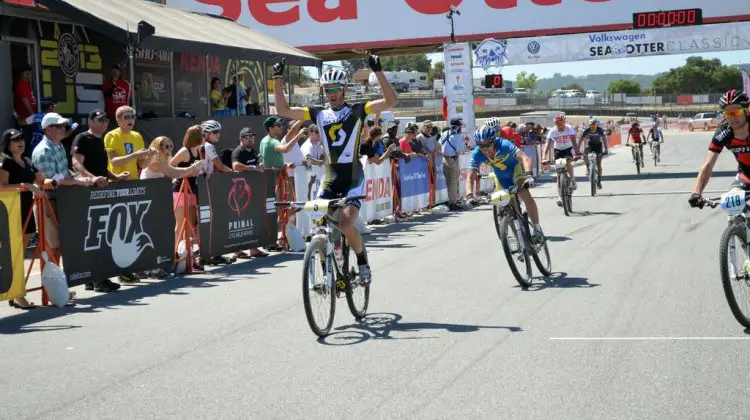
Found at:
[598, 82]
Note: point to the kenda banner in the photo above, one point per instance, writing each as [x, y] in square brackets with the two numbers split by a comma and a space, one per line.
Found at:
[237, 212]
[379, 191]
[458, 87]
[634, 43]
[126, 227]
[327, 25]
[415, 184]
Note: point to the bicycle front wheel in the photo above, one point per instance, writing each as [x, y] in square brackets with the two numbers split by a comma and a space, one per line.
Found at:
[567, 195]
[318, 296]
[357, 295]
[498, 217]
[638, 161]
[734, 276]
[515, 252]
[592, 176]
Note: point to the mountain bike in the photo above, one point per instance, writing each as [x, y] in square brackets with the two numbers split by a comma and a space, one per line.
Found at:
[656, 150]
[637, 155]
[593, 173]
[735, 205]
[514, 228]
[564, 183]
[329, 255]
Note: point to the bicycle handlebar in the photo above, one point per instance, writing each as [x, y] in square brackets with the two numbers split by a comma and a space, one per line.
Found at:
[336, 203]
[716, 202]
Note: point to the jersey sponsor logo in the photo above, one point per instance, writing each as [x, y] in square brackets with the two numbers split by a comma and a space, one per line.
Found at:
[739, 149]
[499, 162]
[129, 149]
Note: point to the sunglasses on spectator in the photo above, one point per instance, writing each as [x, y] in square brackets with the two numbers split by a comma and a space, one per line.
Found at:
[334, 90]
[167, 145]
[56, 126]
[736, 113]
[128, 117]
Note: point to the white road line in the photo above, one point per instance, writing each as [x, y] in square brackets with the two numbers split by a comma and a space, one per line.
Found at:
[648, 338]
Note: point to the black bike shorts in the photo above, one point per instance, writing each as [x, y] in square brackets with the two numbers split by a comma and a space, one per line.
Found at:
[564, 153]
[595, 147]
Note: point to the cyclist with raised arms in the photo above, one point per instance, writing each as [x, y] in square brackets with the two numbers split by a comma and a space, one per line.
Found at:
[733, 134]
[511, 167]
[658, 138]
[596, 141]
[340, 130]
[563, 137]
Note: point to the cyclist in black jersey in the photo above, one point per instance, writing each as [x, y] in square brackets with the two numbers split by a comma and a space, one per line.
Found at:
[596, 141]
[732, 134]
[340, 127]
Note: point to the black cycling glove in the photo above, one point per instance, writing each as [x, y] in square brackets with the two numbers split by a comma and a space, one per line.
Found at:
[278, 68]
[374, 62]
[695, 200]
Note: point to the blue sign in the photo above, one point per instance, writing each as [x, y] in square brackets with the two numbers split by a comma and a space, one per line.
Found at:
[440, 183]
[413, 177]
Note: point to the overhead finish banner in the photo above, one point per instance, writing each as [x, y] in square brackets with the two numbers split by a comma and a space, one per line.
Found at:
[308, 24]
[634, 43]
[459, 88]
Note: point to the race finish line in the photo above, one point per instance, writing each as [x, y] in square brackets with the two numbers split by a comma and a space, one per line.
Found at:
[648, 338]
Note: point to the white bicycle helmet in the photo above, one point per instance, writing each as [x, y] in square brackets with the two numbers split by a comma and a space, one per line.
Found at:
[493, 122]
[211, 126]
[332, 77]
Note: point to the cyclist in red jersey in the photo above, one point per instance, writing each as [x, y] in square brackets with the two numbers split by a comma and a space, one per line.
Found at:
[635, 134]
[733, 134]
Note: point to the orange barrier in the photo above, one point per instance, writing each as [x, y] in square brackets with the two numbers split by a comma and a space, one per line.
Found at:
[395, 182]
[285, 213]
[431, 177]
[187, 231]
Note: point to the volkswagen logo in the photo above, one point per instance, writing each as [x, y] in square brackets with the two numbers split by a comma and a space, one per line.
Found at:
[534, 47]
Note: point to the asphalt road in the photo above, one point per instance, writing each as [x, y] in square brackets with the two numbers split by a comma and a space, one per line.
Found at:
[450, 334]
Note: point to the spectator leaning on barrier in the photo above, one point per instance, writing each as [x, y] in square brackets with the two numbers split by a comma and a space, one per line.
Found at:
[125, 147]
[188, 156]
[367, 147]
[16, 169]
[50, 159]
[312, 149]
[405, 144]
[271, 149]
[428, 140]
[211, 136]
[245, 159]
[88, 154]
[158, 165]
[452, 144]
[391, 136]
[293, 158]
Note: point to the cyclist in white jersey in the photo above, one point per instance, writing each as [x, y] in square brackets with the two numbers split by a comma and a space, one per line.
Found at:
[340, 127]
[563, 137]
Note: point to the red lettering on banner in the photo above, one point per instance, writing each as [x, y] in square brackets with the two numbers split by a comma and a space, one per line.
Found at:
[260, 11]
[502, 4]
[231, 9]
[346, 10]
[433, 7]
[377, 188]
[196, 63]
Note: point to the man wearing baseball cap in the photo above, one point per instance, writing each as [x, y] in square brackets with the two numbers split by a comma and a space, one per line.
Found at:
[245, 159]
[452, 144]
[271, 149]
[88, 154]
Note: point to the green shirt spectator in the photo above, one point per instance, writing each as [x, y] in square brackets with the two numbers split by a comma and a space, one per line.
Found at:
[271, 148]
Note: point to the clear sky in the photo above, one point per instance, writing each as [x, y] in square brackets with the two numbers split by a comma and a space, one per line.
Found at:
[641, 65]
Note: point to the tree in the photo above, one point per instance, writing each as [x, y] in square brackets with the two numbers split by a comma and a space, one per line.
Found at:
[574, 86]
[698, 76]
[436, 72]
[624, 86]
[526, 81]
[351, 66]
[407, 62]
[300, 77]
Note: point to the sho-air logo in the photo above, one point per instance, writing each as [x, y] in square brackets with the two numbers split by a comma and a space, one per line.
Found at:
[68, 55]
[120, 226]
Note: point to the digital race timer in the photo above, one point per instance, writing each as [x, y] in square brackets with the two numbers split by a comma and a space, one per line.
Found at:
[493, 81]
[662, 18]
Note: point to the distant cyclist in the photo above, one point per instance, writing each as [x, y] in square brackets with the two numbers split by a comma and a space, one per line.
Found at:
[596, 141]
[493, 122]
[635, 134]
[511, 167]
[733, 134]
[563, 137]
[658, 138]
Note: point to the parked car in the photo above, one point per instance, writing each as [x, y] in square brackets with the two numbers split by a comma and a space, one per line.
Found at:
[704, 120]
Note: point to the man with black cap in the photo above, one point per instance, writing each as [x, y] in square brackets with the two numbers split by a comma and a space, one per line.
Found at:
[88, 154]
[452, 144]
[245, 159]
[271, 148]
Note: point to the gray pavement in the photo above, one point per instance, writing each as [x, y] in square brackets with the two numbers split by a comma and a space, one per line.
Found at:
[450, 334]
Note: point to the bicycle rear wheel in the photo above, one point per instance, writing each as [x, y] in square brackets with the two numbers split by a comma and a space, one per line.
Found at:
[319, 297]
[514, 252]
[357, 295]
[733, 236]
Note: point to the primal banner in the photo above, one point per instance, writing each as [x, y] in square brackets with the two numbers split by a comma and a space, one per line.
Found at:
[11, 246]
[459, 87]
[127, 227]
[379, 191]
[415, 184]
[237, 212]
[632, 43]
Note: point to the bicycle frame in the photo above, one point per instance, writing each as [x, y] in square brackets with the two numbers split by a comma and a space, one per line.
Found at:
[510, 206]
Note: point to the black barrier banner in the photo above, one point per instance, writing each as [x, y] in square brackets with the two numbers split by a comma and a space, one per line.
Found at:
[127, 227]
[237, 212]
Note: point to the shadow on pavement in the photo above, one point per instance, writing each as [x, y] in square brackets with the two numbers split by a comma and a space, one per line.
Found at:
[560, 281]
[23, 322]
[597, 213]
[381, 325]
[557, 238]
[662, 175]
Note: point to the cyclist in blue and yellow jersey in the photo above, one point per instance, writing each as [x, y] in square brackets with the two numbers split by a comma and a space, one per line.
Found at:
[511, 167]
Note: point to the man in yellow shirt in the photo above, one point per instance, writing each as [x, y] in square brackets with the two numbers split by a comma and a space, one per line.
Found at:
[125, 147]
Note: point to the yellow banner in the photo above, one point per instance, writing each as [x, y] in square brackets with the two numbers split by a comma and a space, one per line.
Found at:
[11, 246]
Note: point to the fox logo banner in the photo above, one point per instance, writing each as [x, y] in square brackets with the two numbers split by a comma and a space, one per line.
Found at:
[123, 228]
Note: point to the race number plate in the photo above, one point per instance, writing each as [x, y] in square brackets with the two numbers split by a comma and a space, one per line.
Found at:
[500, 198]
[560, 163]
[733, 202]
[316, 206]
